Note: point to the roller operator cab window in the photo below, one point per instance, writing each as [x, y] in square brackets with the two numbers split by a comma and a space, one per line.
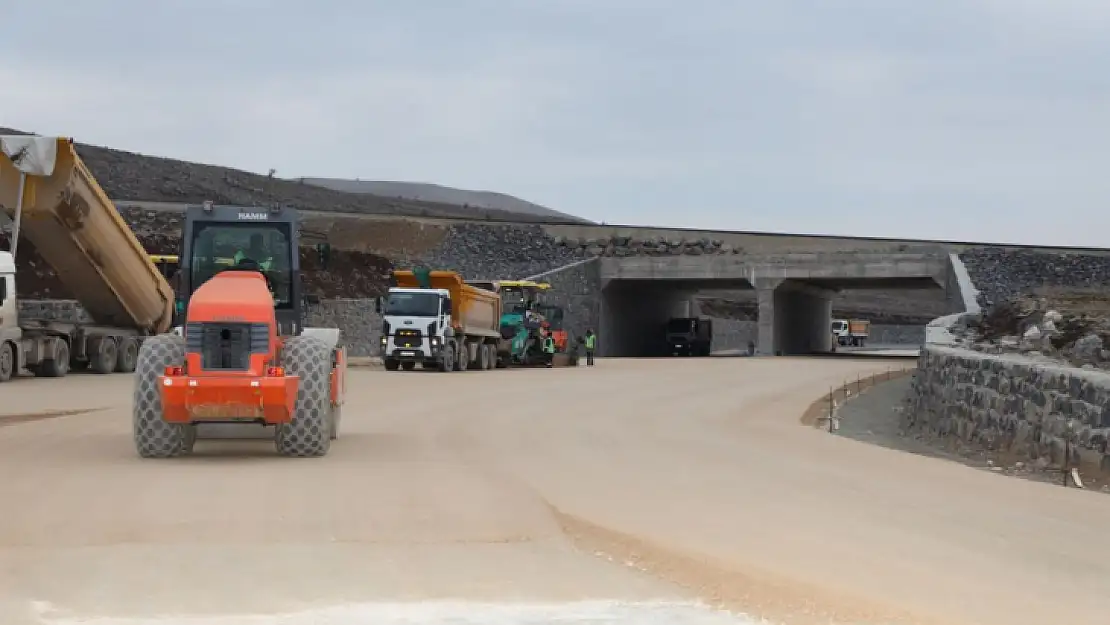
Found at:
[218, 247]
[412, 305]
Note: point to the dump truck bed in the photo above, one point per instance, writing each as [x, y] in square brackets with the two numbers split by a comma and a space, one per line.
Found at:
[76, 228]
[476, 311]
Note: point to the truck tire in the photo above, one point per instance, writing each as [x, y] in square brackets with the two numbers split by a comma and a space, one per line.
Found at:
[447, 359]
[483, 357]
[56, 364]
[128, 353]
[391, 364]
[103, 354]
[462, 363]
[308, 433]
[154, 437]
[7, 361]
[408, 365]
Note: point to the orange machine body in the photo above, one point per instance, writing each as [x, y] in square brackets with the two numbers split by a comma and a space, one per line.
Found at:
[263, 393]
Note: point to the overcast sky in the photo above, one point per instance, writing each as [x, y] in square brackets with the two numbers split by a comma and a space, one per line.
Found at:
[969, 120]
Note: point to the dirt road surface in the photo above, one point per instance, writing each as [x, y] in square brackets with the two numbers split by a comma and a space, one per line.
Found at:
[626, 493]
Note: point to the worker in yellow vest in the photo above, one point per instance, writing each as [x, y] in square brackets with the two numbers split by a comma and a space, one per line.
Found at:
[591, 343]
[549, 349]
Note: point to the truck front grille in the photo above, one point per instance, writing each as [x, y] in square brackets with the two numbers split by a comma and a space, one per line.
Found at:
[407, 338]
[227, 346]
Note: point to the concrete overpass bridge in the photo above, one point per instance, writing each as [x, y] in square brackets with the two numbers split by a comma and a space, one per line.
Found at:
[794, 292]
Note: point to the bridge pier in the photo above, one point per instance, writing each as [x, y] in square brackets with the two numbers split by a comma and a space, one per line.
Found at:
[794, 318]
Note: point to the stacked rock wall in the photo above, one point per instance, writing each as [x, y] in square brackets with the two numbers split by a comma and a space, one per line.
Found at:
[357, 319]
[1013, 404]
[577, 288]
[1000, 274]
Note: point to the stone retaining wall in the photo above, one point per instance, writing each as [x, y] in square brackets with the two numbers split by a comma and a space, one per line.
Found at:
[577, 288]
[360, 324]
[1012, 404]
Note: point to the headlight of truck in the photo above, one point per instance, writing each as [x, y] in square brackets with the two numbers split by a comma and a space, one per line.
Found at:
[385, 340]
[435, 340]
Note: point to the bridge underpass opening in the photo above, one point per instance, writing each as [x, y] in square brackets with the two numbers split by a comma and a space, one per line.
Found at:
[795, 316]
[634, 313]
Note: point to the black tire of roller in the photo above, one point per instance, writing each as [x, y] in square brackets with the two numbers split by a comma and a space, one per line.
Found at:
[308, 434]
[154, 437]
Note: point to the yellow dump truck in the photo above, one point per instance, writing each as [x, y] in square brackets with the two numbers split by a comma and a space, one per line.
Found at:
[53, 201]
[435, 318]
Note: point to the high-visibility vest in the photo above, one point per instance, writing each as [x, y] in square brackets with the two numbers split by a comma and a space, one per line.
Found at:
[590, 338]
[549, 345]
[264, 265]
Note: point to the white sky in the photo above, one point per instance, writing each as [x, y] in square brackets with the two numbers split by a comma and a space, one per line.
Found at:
[969, 120]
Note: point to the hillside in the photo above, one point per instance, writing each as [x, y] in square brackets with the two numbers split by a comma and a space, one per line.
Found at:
[131, 176]
[445, 195]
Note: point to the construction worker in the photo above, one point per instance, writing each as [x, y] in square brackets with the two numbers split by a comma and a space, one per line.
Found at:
[591, 343]
[256, 251]
[549, 349]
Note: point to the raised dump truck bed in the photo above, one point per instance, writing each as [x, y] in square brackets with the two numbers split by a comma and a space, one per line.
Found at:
[56, 204]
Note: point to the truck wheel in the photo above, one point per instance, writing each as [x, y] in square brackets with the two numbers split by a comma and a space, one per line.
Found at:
[56, 365]
[408, 365]
[7, 361]
[447, 359]
[308, 433]
[483, 357]
[391, 364]
[128, 352]
[103, 354]
[462, 363]
[154, 437]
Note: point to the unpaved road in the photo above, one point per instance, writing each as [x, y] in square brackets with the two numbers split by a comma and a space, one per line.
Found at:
[637, 481]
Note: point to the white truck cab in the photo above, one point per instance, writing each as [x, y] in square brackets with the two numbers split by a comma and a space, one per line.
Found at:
[416, 326]
[10, 334]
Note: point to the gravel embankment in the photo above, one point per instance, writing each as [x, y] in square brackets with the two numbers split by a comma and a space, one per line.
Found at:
[129, 176]
[491, 252]
[1001, 274]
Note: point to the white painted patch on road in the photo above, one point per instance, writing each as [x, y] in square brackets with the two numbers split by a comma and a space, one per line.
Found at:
[446, 613]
